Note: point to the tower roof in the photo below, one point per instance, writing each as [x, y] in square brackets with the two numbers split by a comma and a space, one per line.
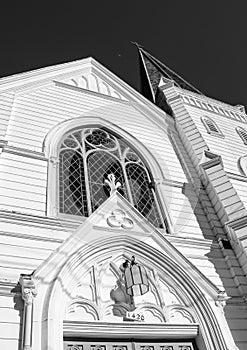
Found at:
[151, 72]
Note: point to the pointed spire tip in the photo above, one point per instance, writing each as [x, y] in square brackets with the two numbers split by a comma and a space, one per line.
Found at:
[136, 44]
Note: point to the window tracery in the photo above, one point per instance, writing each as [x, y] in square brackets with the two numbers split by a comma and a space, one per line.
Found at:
[86, 157]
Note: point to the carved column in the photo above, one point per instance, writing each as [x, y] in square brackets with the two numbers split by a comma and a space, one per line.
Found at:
[28, 294]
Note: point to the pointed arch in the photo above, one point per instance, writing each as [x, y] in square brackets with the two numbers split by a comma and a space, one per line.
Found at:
[200, 301]
[51, 147]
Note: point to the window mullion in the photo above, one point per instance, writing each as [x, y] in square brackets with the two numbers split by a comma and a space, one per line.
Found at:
[127, 183]
[89, 207]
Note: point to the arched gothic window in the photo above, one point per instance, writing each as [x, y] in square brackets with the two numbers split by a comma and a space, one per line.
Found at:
[86, 157]
[211, 126]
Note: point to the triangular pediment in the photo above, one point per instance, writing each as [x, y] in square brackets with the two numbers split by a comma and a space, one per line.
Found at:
[117, 221]
[91, 80]
[84, 76]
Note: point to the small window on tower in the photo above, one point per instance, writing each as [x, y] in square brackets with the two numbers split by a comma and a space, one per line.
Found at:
[211, 127]
[243, 134]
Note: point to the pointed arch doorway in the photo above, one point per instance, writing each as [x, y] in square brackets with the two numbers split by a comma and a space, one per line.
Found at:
[73, 303]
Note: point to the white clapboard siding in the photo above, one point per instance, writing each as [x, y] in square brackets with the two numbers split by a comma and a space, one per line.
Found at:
[241, 188]
[23, 183]
[23, 251]
[43, 109]
[185, 214]
[208, 266]
[12, 344]
[36, 232]
[231, 147]
[9, 331]
[42, 247]
[6, 102]
[9, 314]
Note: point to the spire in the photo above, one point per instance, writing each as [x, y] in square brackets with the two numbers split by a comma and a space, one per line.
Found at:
[151, 72]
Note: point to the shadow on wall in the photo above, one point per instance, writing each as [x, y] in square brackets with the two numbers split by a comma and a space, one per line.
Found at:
[19, 306]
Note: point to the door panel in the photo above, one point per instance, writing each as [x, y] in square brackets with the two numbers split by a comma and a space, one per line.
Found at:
[102, 345]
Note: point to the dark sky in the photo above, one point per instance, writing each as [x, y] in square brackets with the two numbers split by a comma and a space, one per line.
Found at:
[204, 41]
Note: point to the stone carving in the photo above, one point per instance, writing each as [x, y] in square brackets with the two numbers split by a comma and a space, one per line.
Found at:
[118, 219]
[111, 182]
[28, 294]
[221, 300]
[98, 347]
[122, 301]
[75, 347]
[54, 161]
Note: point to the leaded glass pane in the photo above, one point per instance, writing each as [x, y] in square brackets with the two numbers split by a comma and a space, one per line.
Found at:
[82, 190]
[101, 164]
[142, 194]
[73, 196]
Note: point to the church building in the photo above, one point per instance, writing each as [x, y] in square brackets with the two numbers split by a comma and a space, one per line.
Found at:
[123, 214]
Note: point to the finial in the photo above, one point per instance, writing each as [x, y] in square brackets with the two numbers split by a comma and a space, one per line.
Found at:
[111, 182]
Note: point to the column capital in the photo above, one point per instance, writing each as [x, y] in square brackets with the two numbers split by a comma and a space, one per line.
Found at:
[27, 288]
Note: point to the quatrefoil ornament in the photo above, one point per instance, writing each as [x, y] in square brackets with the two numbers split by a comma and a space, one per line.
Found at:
[118, 219]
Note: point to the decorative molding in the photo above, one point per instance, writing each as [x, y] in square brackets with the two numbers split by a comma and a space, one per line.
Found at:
[118, 219]
[31, 237]
[24, 152]
[174, 98]
[41, 76]
[237, 223]
[238, 177]
[90, 92]
[222, 300]
[8, 288]
[111, 182]
[28, 294]
[3, 143]
[27, 288]
[33, 220]
[211, 105]
[130, 330]
[210, 159]
[170, 183]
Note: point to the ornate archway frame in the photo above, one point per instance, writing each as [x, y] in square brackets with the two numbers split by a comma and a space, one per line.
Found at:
[55, 281]
[51, 148]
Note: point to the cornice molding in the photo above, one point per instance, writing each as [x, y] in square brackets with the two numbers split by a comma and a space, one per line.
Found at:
[8, 288]
[42, 75]
[24, 152]
[236, 176]
[33, 220]
[3, 143]
[191, 242]
[90, 92]
[130, 330]
[210, 160]
[30, 237]
[170, 183]
[238, 223]
[206, 103]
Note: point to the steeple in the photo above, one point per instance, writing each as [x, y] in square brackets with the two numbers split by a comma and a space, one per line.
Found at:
[151, 73]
